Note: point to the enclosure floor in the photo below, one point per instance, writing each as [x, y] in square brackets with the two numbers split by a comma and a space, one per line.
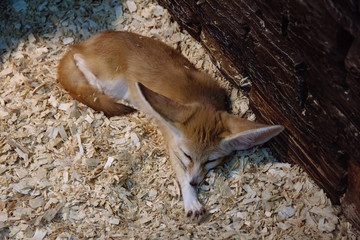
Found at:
[68, 172]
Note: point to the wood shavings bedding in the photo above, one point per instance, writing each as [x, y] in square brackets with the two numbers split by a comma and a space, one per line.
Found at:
[69, 172]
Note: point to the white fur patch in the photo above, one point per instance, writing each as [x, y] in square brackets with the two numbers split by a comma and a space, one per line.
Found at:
[92, 79]
[116, 88]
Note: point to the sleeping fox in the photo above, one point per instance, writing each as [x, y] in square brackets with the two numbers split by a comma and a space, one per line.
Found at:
[188, 105]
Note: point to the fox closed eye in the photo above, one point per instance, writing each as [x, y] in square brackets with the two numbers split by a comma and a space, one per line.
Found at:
[188, 156]
[211, 161]
[214, 157]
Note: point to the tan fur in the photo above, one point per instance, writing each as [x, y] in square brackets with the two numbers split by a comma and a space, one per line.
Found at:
[112, 54]
[188, 105]
[73, 81]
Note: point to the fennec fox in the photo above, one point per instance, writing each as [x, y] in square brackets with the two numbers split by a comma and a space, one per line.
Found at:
[187, 105]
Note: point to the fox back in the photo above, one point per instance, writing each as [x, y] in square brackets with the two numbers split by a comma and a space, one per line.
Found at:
[188, 105]
[113, 56]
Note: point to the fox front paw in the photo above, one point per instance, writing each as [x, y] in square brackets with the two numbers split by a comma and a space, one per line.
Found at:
[195, 212]
[193, 209]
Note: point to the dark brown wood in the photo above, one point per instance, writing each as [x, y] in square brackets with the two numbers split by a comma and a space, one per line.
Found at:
[303, 58]
[351, 200]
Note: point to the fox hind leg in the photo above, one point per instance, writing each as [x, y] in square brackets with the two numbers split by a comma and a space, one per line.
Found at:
[92, 79]
[115, 88]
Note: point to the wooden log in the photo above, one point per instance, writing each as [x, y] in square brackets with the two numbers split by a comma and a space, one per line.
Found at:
[351, 200]
[303, 58]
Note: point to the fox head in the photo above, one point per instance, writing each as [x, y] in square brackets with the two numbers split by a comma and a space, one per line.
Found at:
[201, 135]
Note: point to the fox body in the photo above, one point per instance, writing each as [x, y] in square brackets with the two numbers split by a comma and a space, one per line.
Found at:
[188, 105]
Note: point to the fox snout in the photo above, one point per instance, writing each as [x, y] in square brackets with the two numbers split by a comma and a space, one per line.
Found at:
[196, 175]
[194, 183]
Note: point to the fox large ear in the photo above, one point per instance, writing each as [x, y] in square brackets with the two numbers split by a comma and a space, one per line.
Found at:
[247, 134]
[165, 109]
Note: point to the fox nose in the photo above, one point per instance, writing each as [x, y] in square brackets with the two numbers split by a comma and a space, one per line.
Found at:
[193, 183]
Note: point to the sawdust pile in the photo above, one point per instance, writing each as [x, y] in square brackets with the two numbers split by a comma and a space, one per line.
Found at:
[68, 172]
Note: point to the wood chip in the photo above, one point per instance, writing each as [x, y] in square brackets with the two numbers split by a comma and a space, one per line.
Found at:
[131, 6]
[39, 234]
[36, 202]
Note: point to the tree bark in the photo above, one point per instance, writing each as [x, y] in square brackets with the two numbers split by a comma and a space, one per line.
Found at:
[303, 58]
